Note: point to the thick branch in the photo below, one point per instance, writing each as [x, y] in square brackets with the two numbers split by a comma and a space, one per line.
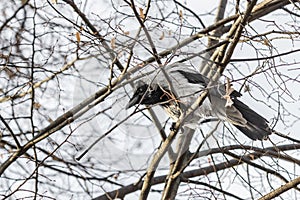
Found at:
[122, 192]
[281, 189]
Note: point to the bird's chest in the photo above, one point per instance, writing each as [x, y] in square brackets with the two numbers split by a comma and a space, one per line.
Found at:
[173, 109]
[176, 108]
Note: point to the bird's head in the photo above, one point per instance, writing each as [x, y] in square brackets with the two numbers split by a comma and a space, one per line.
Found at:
[147, 95]
[139, 95]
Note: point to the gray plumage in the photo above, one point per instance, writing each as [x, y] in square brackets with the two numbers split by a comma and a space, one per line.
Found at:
[180, 89]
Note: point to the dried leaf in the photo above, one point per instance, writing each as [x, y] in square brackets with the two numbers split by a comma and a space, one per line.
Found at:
[247, 88]
[267, 42]
[162, 36]
[209, 160]
[180, 15]
[4, 56]
[77, 36]
[229, 90]
[54, 1]
[229, 101]
[116, 176]
[49, 119]
[36, 105]
[142, 13]
[24, 2]
[141, 64]
[11, 74]
[113, 43]
[124, 32]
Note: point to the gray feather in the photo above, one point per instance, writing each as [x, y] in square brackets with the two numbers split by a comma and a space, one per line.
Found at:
[189, 84]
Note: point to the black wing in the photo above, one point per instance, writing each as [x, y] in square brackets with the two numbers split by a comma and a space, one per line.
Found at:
[256, 127]
[195, 78]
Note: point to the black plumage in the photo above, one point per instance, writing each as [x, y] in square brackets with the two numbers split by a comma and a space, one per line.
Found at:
[147, 95]
[256, 127]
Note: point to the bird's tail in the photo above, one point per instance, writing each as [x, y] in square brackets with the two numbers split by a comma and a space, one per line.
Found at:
[255, 127]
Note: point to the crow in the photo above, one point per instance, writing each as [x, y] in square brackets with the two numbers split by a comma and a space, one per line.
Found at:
[176, 87]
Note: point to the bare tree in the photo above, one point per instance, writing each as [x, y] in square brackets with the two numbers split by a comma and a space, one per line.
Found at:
[69, 67]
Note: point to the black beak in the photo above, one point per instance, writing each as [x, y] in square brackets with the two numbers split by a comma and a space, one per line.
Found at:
[138, 95]
[134, 100]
